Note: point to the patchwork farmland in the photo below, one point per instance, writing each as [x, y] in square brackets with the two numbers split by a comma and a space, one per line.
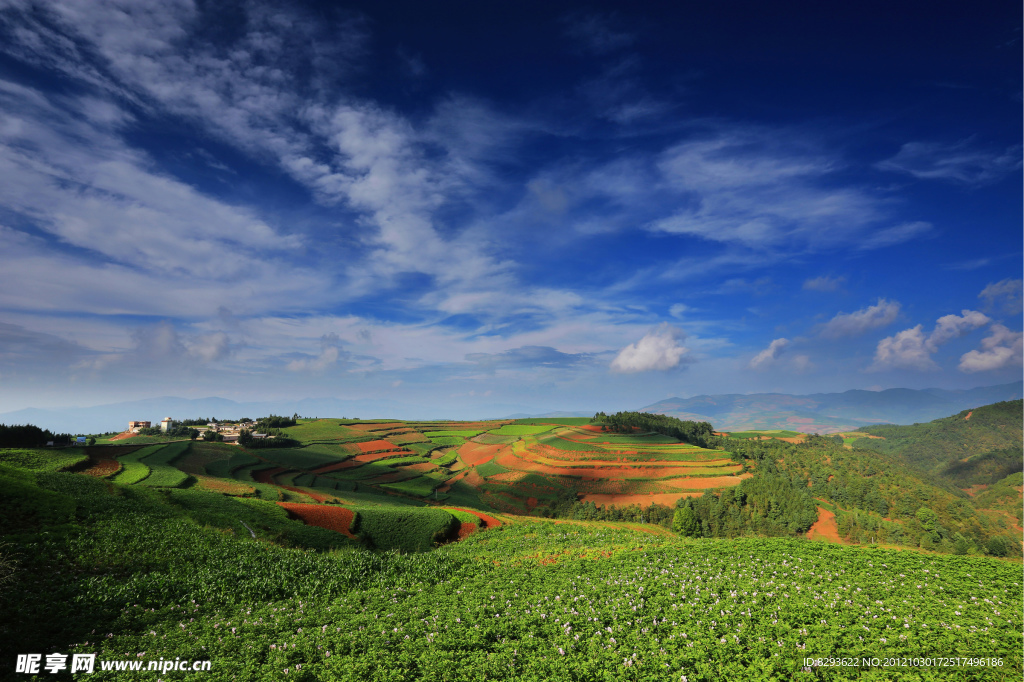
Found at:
[509, 466]
[415, 546]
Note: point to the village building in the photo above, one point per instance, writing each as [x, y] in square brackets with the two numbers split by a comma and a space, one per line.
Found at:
[135, 427]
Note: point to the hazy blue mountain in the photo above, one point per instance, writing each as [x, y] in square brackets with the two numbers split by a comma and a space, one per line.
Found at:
[831, 412]
[821, 412]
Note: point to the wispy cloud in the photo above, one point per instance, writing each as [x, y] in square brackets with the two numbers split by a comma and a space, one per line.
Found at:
[1005, 296]
[961, 162]
[852, 324]
[769, 355]
[744, 188]
[897, 234]
[527, 357]
[824, 283]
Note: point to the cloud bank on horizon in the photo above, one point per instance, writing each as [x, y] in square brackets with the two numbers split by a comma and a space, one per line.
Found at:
[568, 207]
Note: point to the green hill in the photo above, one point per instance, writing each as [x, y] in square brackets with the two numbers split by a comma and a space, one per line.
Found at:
[956, 448]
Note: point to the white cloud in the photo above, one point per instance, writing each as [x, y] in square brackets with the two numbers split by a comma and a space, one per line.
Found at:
[960, 162]
[659, 349]
[1005, 295]
[768, 356]
[949, 327]
[912, 349]
[908, 349]
[824, 283]
[1002, 348]
[851, 324]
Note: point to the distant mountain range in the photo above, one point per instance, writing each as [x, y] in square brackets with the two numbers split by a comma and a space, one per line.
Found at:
[831, 412]
[818, 413]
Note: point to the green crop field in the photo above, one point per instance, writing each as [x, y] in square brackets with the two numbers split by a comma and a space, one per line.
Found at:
[407, 529]
[43, 460]
[518, 429]
[461, 433]
[447, 458]
[569, 445]
[490, 469]
[321, 430]
[222, 468]
[162, 472]
[133, 469]
[564, 421]
[447, 441]
[308, 457]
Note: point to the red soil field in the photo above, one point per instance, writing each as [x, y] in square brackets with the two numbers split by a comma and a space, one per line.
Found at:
[612, 471]
[474, 479]
[338, 519]
[474, 454]
[421, 468]
[373, 445]
[465, 530]
[101, 468]
[825, 527]
[123, 436]
[488, 521]
[267, 475]
[666, 499]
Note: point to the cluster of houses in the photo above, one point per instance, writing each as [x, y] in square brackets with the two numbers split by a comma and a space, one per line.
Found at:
[228, 431]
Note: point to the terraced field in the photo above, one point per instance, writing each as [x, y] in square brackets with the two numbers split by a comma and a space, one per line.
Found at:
[506, 465]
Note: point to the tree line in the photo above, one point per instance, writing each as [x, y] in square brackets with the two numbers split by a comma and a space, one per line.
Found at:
[30, 436]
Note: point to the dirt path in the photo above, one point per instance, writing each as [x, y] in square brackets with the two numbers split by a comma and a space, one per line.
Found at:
[825, 528]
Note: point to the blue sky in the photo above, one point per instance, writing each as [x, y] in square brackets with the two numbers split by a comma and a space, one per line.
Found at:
[474, 206]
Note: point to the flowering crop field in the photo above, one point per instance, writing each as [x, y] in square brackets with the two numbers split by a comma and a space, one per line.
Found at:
[567, 601]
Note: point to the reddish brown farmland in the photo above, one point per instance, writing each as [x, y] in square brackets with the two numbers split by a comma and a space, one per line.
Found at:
[331, 517]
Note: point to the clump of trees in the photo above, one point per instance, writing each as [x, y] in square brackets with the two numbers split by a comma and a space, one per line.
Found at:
[694, 433]
[30, 436]
[276, 422]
